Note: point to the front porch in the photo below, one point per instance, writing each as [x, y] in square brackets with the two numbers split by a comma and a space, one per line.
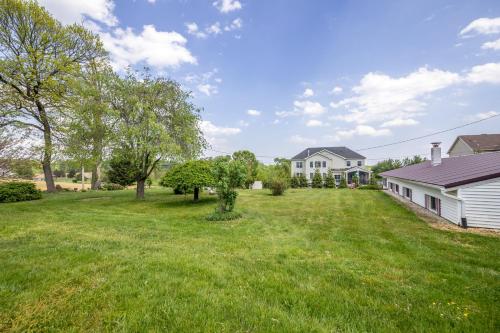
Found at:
[362, 174]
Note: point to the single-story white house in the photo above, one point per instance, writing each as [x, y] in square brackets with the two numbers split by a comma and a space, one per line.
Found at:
[465, 190]
[341, 160]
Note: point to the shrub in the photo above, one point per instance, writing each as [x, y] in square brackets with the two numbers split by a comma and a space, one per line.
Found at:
[19, 191]
[343, 182]
[226, 216]
[329, 179]
[303, 181]
[278, 185]
[317, 181]
[59, 187]
[294, 182]
[227, 175]
[121, 171]
[355, 180]
[112, 187]
[370, 187]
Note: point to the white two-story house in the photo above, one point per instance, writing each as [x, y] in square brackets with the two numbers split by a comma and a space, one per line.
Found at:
[341, 160]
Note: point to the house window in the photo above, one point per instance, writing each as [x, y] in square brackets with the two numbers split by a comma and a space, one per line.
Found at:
[359, 163]
[317, 164]
[433, 204]
[311, 164]
[407, 192]
[337, 179]
[397, 188]
[385, 182]
[311, 175]
[299, 174]
[324, 175]
[348, 163]
[298, 165]
[324, 164]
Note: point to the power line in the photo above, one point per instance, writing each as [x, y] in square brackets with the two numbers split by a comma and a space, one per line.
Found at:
[427, 135]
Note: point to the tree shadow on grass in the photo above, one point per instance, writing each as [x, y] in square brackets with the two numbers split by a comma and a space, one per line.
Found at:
[187, 202]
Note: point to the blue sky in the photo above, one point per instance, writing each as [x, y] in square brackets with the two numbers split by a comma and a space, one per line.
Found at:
[275, 77]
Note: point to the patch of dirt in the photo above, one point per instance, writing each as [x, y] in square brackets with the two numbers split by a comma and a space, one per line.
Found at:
[438, 222]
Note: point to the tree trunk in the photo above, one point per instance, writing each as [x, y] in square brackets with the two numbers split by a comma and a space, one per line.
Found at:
[96, 176]
[47, 159]
[139, 193]
[196, 193]
[83, 177]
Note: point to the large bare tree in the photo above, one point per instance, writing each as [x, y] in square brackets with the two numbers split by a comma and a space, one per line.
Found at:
[37, 57]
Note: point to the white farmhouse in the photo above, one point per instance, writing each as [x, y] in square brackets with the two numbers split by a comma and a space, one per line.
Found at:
[463, 189]
[341, 160]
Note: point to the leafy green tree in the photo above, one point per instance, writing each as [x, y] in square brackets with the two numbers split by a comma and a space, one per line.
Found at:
[317, 181]
[38, 56]
[91, 117]
[303, 181]
[121, 170]
[329, 179]
[157, 121]
[191, 175]
[391, 164]
[228, 174]
[22, 168]
[250, 161]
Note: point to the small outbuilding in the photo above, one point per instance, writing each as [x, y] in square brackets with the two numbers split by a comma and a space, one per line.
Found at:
[465, 190]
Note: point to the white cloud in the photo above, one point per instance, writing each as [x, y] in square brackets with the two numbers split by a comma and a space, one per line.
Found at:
[360, 130]
[483, 26]
[494, 45]
[399, 122]
[315, 123]
[482, 115]
[214, 29]
[308, 93]
[234, 25]
[152, 1]
[69, 12]
[226, 6]
[253, 113]
[309, 108]
[302, 140]
[487, 73]
[243, 123]
[192, 29]
[285, 114]
[336, 90]
[209, 129]
[379, 97]
[158, 49]
[207, 89]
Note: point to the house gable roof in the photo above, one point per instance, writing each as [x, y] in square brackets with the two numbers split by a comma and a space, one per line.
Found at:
[341, 151]
[479, 143]
[453, 171]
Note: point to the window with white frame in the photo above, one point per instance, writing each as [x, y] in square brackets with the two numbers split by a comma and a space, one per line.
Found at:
[311, 164]
[324, 164]
[407, 192]
[317, 164]
[298, 165]
[298, 174]
[337, 179]
[360, 163]
[324, 175]
[348, 163]
[311, 175]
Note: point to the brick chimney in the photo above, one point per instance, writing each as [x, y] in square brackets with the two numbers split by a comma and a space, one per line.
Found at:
[435, 153]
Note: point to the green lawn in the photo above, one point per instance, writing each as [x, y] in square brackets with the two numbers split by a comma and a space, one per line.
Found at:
[312, 260]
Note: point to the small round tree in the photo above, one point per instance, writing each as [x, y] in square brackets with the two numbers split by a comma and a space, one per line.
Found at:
[317, 181]
[343, 182]
[191, 175]
[329, 179]
[228, 174]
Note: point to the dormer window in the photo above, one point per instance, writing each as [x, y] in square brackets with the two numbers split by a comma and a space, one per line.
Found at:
[348, 163]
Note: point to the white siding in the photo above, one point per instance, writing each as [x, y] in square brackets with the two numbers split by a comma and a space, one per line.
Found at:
[450, 208]
[460, 149]
[482, 204]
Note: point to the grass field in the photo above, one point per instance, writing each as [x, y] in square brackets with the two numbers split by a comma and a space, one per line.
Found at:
[312, 260]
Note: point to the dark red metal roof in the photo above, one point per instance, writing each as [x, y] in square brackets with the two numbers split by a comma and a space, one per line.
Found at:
[452, 171]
